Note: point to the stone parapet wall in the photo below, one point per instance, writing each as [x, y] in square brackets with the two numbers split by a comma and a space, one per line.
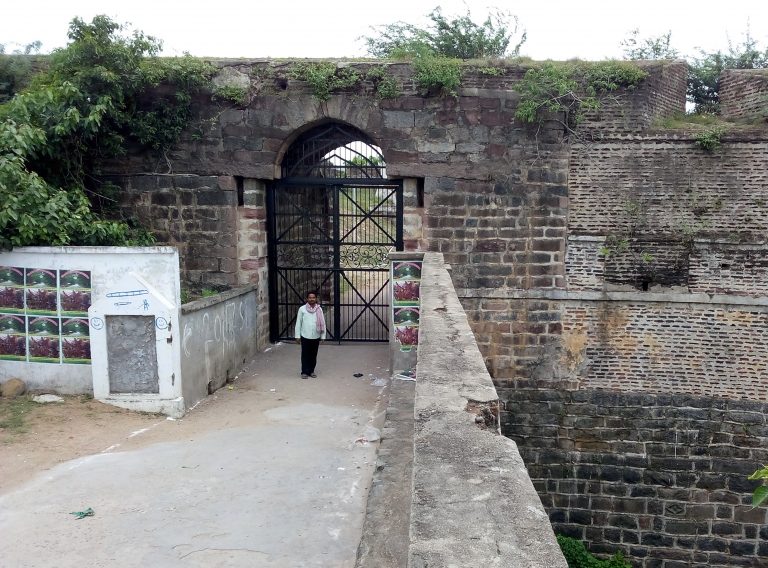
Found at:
[495, 190]
[744, 93]
[660, 477]
[473, 503]
[660, 95]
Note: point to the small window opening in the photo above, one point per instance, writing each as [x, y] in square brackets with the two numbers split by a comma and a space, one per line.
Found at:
[240, 192]
[420, 192]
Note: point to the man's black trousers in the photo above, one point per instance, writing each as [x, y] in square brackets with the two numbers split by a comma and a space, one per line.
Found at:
[309, 355]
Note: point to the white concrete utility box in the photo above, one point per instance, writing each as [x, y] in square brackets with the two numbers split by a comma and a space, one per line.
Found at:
[101, 319]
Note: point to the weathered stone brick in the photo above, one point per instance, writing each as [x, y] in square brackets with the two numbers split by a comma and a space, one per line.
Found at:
[217, 198]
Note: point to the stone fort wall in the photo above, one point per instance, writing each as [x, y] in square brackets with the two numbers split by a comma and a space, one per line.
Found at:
[623, 260]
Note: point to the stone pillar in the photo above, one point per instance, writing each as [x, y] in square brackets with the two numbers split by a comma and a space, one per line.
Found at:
[252, 250]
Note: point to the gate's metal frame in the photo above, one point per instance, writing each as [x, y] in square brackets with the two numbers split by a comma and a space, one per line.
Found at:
[283, 309]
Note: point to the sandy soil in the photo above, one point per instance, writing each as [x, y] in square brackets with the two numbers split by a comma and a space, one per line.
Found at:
[56, 432]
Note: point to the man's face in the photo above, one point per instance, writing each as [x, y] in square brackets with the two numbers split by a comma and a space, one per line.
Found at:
[311, 299]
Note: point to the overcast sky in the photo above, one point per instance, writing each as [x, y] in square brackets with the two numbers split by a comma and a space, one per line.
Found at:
[588, 29]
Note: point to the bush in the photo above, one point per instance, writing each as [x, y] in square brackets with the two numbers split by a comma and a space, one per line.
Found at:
[571, 88]
[455, 38]
[325, 77]
[578, 556]
[710, 139]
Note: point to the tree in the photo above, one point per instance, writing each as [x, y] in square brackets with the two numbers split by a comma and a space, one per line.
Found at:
[15, 69]
[84, 109]
[705, 70]
[654, 47]
[456, 37]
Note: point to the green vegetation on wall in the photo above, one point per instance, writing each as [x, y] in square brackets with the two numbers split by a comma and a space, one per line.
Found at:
[438, 49]
[578, 556]
[231, 93]
[326, 77]
[760, 494]
[710, 139]
[437, 75]
[572, 88]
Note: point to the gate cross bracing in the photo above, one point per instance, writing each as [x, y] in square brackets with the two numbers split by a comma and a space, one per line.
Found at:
[331, 229]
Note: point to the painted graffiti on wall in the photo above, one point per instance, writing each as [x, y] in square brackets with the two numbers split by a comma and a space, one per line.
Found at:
[44, 315]
[406, 300]
[218, 330]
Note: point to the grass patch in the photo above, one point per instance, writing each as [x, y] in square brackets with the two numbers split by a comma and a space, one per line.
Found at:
[682, 120]
[14, 413]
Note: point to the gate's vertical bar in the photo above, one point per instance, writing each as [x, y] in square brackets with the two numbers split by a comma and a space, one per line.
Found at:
[336, 261]
[399, 216]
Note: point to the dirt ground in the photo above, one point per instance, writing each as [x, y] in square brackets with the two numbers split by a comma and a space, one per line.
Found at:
[35, 437]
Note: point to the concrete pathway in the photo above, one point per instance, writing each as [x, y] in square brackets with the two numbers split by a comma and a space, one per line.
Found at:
[270, 472]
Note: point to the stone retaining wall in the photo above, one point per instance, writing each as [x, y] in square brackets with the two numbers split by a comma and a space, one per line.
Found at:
[660, 477]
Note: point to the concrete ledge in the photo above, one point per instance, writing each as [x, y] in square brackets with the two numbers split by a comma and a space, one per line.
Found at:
[386, 531]
[473, 502]
[203, 303]
[173, 407]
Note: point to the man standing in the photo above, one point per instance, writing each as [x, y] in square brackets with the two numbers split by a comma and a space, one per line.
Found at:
[310, 331]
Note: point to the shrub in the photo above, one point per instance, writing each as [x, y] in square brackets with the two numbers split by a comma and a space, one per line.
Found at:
[578, 556]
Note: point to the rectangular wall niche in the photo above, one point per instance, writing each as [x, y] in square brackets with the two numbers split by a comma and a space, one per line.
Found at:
[132, 354]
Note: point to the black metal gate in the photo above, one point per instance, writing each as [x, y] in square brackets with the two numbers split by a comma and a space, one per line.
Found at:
[331, 232]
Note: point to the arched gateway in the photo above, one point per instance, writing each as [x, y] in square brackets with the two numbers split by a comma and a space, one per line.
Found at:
[333, 219]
